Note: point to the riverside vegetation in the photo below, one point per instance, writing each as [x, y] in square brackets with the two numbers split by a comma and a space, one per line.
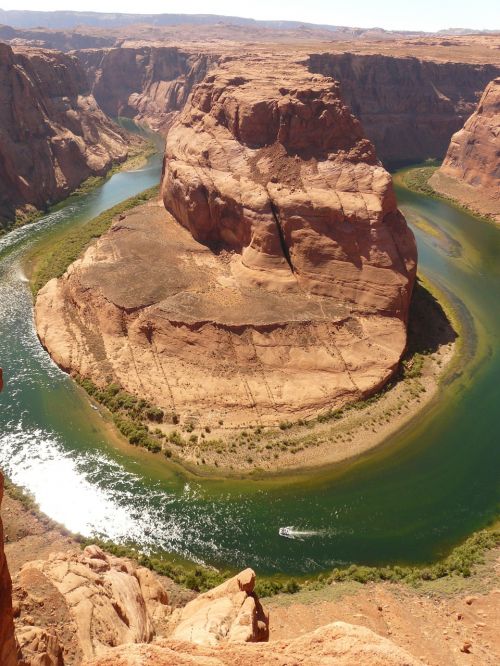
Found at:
[461, 562]
[416, 179]
[55, 260]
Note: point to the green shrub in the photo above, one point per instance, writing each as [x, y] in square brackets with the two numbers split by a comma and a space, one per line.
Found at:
[155, 414]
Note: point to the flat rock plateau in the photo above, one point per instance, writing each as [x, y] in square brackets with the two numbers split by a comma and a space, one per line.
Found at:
[278, 282]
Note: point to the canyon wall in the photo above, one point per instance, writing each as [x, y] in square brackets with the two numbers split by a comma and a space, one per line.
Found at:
[409, 107]
[149, 84]
[279, 284]
[8, 650]
[53, 135]
[470, 172]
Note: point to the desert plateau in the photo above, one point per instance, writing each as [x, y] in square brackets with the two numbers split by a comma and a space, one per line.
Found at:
[249, 323]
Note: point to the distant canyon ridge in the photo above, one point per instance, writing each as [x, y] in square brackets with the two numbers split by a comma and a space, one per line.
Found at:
[409, 105]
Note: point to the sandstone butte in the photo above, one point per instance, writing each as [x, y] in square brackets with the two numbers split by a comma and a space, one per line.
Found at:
[278, 282]
[53, 135]
[470, 172]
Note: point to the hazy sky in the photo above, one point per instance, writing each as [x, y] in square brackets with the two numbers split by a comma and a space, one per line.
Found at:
[391, 14]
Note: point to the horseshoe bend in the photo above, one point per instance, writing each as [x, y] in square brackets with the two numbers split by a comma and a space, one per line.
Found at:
[273, 278]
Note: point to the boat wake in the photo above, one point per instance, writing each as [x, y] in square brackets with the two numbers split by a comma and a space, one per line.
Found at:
[294, 533]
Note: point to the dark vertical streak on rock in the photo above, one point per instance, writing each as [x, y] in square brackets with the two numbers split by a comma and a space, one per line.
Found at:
[281, 234]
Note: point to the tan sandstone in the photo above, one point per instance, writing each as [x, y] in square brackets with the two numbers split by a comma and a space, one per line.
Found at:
[279, 285]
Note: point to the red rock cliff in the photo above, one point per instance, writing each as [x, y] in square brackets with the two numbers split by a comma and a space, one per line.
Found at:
[53, 135]
[409, 107]
[147, 83]
[470, 172]
[269, 162]
[7, 641]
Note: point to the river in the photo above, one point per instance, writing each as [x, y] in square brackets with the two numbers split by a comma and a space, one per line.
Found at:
[409, 501]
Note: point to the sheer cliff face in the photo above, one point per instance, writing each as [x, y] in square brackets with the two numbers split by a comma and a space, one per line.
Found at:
[409, 107]
[270, 163]
[149, 84]
[279, 284]
[471, 169]
[53, 135]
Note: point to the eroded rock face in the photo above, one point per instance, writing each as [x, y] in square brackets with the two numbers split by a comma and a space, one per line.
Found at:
[230, 613]
[337, 644]
[285, 287]
[53, 135]
[149, 84]
[284, 175]
[73, 606]
[409, 107]
[470, 172]
[8, 650]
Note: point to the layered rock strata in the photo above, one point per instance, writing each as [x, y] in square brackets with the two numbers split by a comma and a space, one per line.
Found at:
[470, 172]
[149, 84]
[280, 283]
[409, 107]
[53, 135]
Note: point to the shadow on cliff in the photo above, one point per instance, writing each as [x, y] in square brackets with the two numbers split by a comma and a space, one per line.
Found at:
[428, 327]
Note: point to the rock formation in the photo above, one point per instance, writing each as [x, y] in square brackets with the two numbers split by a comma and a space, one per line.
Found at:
[149, 84]
[409, 107]
[285, 287]
[8, 648]
[230, 613]
[470, 172]
[90, 601]
[337, 644]
[52, 133]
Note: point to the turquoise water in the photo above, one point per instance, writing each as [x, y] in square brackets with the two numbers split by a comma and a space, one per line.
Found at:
[410, 501]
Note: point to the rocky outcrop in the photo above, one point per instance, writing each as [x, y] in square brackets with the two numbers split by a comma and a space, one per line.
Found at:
[336, 644]
[470, 172]
[73, 606]
[285, 287]
[409, 107]
[230, 613]
[53, 135]
[149, 84]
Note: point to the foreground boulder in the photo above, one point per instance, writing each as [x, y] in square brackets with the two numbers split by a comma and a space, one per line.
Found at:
[470, 172]
[229, 613]
[279, 284]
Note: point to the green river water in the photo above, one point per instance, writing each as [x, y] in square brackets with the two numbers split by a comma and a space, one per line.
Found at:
[408, 501]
